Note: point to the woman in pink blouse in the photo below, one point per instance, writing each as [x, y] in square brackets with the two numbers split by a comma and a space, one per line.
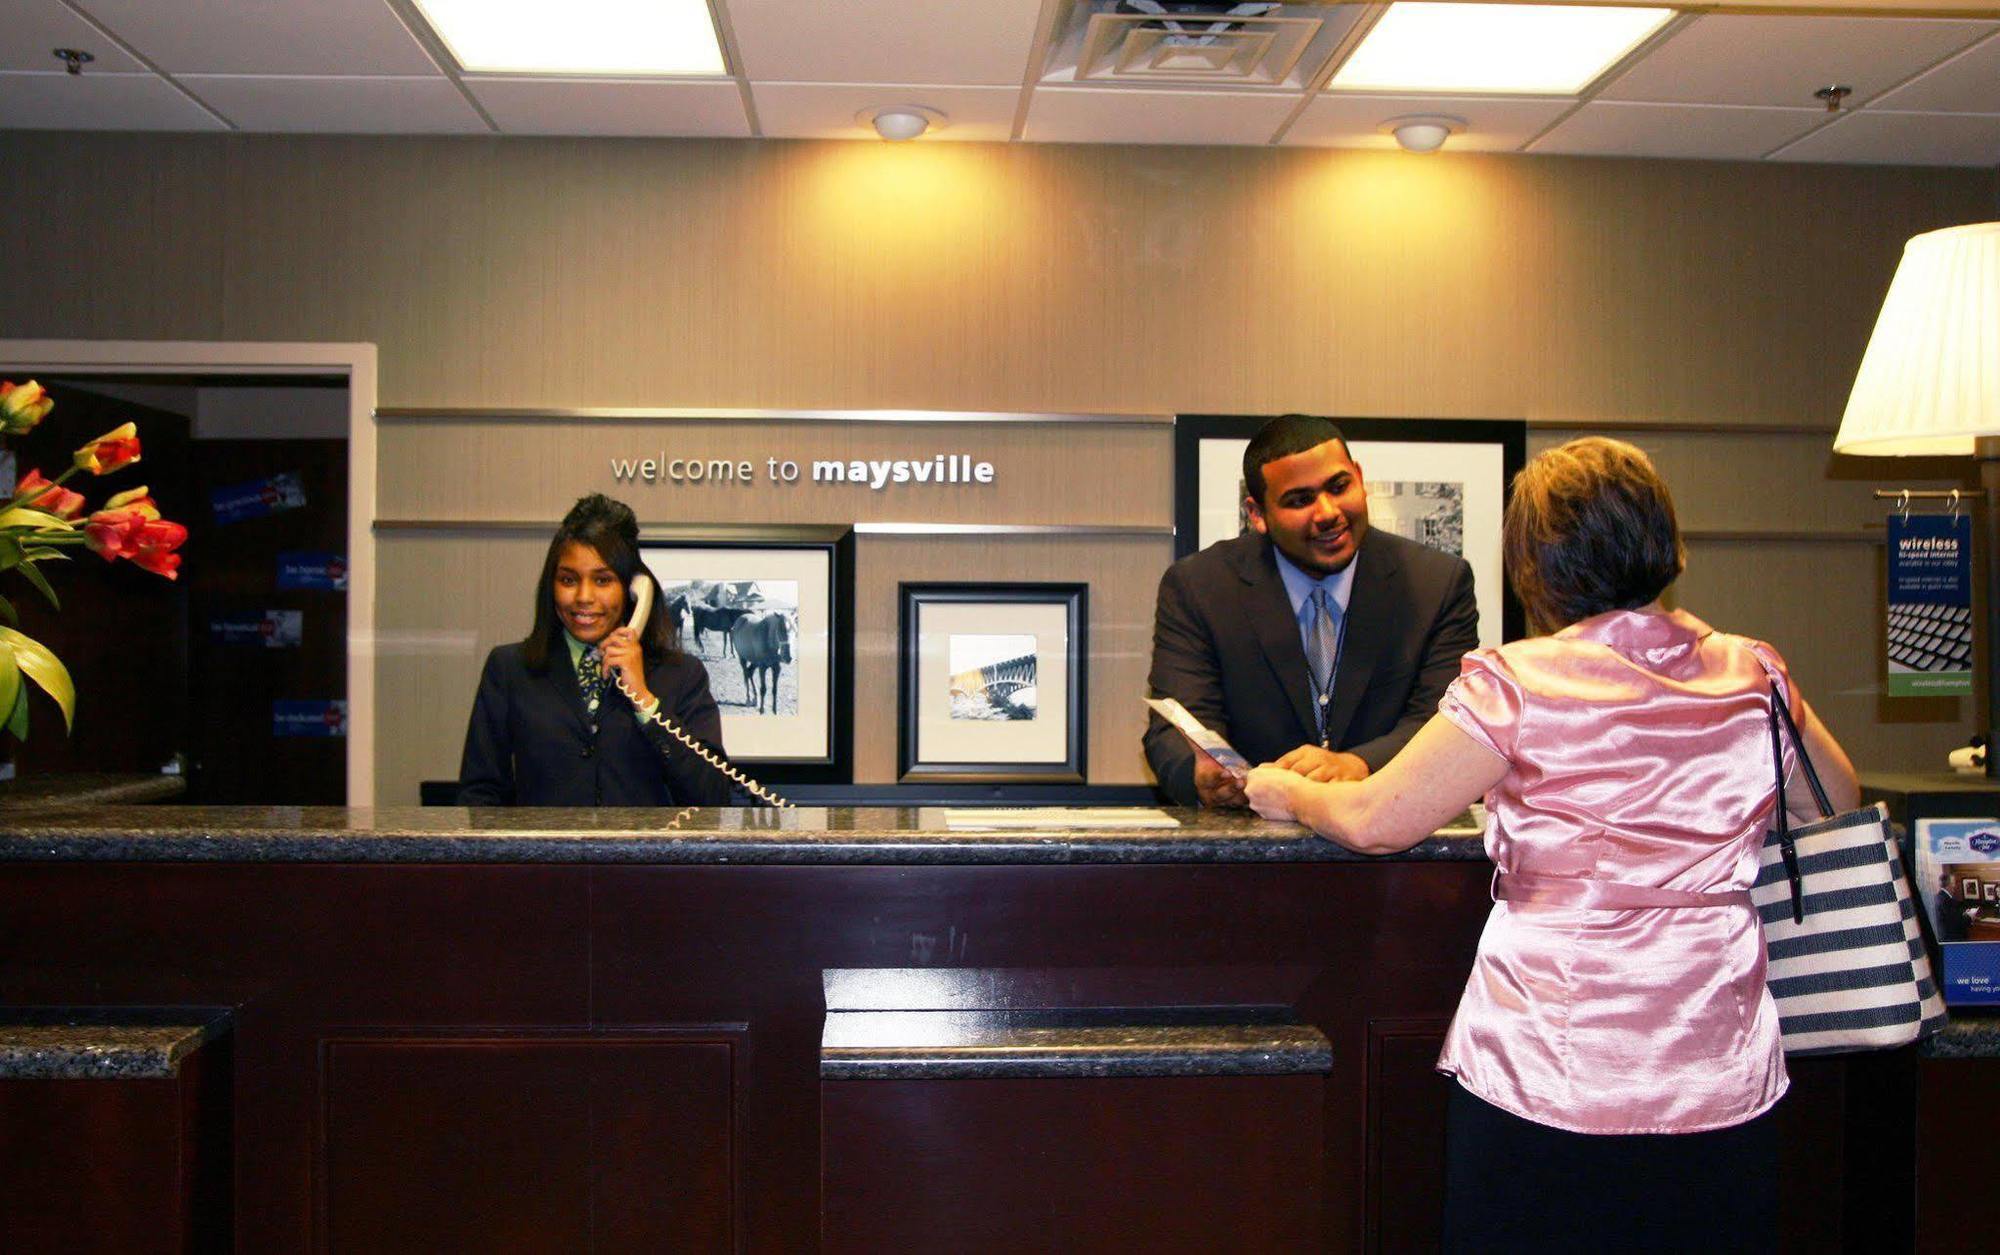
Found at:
[1616, 1050]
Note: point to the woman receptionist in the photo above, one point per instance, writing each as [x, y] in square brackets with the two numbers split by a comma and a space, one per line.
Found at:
[551, 726]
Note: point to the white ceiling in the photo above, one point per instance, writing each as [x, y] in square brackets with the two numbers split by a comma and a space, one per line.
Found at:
[1926, 91]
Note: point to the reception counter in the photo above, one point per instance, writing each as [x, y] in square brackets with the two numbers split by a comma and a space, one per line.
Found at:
[784, 1031]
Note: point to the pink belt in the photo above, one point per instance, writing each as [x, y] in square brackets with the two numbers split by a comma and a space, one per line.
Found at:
[1602, 895]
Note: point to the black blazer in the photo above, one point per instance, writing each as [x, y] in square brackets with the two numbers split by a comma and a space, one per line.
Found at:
[1226, 646]
[529, 743]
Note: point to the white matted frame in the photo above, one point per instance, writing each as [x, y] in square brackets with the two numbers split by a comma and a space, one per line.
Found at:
[277, 359]
[934, 742]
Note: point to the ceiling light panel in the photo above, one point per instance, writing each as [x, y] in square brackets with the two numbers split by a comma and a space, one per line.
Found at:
[627, 38]
[1526, 49]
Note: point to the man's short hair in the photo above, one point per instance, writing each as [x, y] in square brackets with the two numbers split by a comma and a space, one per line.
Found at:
[1281, 438]
[1589, 527]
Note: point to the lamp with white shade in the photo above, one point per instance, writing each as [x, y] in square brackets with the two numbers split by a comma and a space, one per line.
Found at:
[1929, 385]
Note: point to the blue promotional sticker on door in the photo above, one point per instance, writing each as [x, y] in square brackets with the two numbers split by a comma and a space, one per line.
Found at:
[303, 568]
[258, 498]
[1929, 633]
[1958, 889]
[265, 629]
[309, 718]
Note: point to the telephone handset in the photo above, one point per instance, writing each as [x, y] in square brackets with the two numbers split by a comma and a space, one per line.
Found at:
[642, 606]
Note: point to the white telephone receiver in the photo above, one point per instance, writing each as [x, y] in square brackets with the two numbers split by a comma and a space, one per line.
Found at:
[642, 606]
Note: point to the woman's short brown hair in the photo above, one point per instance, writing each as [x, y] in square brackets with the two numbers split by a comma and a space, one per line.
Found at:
[1589, 527]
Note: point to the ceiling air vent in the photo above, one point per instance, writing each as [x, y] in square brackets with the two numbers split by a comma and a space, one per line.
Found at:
[1189, 41]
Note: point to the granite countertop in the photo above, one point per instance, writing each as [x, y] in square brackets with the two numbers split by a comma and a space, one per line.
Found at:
[86, 789]
[1969, 1035]
[88, 1048]
[410, 834]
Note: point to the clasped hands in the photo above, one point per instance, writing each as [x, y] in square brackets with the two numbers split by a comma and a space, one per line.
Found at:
[1270, 787]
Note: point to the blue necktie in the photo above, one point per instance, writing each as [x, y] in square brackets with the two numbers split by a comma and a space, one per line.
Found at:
[1323, 649]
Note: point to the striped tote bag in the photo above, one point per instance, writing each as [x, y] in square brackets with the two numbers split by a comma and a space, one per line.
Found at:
[1847, 965]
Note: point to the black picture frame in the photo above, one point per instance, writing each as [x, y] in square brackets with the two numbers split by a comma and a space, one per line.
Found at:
[1508, 436]
[1071, 766]
[832, 763]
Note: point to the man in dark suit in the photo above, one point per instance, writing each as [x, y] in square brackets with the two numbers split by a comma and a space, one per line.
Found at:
[1310, 641]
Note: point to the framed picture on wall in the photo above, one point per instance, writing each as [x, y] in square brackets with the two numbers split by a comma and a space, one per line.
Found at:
[1438, 481]
[768, 611]
[993, 682]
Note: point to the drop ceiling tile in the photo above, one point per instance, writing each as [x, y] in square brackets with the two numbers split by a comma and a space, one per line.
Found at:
[35, 28]
[1701, 132]
[266, 36]
[827, 110]
[1879, 137]
[1968, 83]
[984, 43]
[1355, 121]
[541, 106]
[98, 102]
[1084, 115]
[1738, 59]
[338, 106]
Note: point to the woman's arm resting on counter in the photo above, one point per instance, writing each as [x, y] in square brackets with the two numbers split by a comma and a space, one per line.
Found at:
[1437, 775]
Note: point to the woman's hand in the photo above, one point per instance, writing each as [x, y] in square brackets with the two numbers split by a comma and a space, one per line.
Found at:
[1274, 791]
[622, 652]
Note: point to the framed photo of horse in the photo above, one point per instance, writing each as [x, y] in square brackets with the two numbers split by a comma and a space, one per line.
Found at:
[769, 613]
[993, 682]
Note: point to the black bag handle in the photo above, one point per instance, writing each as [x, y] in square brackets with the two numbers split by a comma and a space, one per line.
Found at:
[1786, 846]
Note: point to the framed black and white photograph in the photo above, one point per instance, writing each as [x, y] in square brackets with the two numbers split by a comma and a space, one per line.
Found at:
[993, 682]
[768, 612]
[1439, 482]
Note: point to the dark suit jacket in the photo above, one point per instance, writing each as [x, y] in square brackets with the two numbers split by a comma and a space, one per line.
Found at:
[1226, 646]
[529, 743]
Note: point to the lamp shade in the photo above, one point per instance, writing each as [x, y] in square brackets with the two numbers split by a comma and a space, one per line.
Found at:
[1930, 380]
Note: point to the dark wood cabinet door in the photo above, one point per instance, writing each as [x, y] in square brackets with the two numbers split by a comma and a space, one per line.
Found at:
[526, 1143]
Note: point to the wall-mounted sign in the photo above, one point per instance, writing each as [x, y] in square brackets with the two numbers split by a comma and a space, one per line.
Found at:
[309, 718]
[306, 568]
[258, 498]
[876, 473]
[270, 629]
[1929, 633]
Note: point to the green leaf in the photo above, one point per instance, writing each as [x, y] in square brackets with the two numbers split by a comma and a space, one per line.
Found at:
[11, 553]
[42, 553]
[10, 682]
[7, 612]
[17, 723]
[39, 581]
[45, 669]
[40, 520]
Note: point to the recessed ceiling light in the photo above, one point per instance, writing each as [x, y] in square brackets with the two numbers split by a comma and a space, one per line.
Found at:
[1530, 49]
[637, 38]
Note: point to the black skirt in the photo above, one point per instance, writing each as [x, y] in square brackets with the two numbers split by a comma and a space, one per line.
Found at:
[1514, 1185]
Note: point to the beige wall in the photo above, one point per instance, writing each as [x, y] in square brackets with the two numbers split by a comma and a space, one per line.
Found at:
[521, 273]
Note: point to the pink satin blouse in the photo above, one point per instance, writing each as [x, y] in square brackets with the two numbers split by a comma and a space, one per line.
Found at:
[1641, 755]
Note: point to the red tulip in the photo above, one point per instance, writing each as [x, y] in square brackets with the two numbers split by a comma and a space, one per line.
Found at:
[114, 449]
[22, 406]
[38, 493]
[154, 547]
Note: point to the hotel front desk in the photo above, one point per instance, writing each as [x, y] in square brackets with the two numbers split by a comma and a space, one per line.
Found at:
[837, 1029]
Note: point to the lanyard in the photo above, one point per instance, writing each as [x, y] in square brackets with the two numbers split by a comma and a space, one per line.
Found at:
[1320, 699]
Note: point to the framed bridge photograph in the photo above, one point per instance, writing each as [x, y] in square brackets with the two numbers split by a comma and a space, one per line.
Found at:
[1441, 482]
[993, 682]
[768, 611]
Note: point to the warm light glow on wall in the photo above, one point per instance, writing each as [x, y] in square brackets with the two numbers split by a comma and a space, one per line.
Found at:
[1529, 49]
[638, 38]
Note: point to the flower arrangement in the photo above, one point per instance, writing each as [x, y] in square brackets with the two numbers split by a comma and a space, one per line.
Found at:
[42, 519]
